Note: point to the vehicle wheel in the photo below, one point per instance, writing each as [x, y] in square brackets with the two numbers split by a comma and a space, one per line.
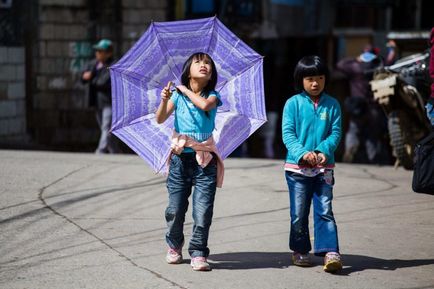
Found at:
[400, 132]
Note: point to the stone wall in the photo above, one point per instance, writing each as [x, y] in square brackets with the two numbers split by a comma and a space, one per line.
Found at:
[12, 95]
[136, 17]
[61, 118]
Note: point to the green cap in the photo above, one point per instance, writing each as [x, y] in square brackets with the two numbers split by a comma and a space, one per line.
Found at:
[103, 44]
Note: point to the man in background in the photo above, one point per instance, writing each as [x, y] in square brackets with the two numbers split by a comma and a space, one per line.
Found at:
[97, 78]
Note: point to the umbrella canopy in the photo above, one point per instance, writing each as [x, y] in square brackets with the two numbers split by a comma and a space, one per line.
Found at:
[157, 57]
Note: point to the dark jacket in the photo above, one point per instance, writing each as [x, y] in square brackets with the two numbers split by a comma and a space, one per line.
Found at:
[98, 88]
[359, 75]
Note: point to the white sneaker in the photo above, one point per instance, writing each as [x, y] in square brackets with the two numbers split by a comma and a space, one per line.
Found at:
[174, 256]
[200, 264]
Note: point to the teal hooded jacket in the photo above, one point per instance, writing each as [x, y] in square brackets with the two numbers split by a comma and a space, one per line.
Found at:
[306, 128]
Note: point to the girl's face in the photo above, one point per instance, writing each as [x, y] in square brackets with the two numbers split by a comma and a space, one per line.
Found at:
[201, 68]
[314, 85]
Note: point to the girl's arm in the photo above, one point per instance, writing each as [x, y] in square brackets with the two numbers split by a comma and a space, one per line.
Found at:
[329, 145]
[204, 104]
[294, 147]
[166, 106]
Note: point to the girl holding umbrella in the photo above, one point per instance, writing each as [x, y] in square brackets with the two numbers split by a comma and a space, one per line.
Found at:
[194, 160]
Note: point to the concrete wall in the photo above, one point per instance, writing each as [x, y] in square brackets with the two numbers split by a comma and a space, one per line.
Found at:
[12, 95]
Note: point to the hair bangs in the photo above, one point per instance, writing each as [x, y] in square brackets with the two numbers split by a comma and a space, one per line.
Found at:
[310, 70]
[201, 56]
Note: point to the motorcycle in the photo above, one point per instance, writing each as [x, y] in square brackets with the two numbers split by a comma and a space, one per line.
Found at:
[402, 90]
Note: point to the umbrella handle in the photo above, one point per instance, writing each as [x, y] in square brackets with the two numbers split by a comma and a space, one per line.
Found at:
[169, 85]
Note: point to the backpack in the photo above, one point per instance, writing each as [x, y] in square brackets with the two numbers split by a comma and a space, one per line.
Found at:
[423, 175]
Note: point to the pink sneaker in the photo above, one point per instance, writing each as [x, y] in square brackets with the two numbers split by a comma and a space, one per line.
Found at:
[200, 264]
[174, 256]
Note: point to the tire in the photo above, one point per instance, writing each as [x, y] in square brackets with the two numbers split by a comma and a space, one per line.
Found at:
[399, 132]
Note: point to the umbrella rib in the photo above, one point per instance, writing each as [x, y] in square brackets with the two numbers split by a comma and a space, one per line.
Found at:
[133, 75]
[242, 114]
[213, 32]
[166, 52]
[253, 63]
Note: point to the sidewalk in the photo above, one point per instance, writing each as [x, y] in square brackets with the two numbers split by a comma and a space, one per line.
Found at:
[87, 221]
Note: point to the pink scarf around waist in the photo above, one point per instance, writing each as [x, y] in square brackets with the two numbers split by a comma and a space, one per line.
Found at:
[203, 152]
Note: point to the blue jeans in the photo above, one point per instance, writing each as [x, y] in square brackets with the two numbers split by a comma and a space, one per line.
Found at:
[184, 172]
[302, 190]
[107, 141]
[430, 113]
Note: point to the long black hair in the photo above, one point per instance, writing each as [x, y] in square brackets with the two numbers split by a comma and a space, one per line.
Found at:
[185, 76]
[309, 66]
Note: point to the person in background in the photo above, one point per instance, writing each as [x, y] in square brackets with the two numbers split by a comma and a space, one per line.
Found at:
[391, 53]
[97, 78]
[364, 139]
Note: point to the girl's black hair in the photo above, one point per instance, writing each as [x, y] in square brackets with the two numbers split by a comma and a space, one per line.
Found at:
[185, 76]
[309, 66]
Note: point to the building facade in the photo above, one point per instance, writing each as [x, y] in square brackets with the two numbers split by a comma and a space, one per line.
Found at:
[45, 44]
[44, 47]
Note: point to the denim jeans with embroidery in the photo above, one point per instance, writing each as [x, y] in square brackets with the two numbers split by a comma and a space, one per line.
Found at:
[302, 191]
[184, 173]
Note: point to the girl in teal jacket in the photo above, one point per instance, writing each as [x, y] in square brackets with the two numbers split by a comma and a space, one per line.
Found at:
[311, 130]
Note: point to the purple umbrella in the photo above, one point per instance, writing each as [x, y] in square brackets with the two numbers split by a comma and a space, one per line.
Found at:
[157, 58]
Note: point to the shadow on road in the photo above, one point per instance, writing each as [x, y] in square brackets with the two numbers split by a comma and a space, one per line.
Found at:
[281, 260]
[250, 260]
[357, 263]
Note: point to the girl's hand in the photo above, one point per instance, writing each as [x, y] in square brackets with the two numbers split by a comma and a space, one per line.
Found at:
[166, 93]
[183, 89]
[322, 159]
[310, 158]
[166, 107]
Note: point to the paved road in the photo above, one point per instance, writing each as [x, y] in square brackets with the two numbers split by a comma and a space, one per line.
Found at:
[87, 221]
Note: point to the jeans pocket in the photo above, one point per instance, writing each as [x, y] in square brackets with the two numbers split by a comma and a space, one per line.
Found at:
[295, 177]
[211, 169]
[328, 177]
[213, 162]
[175, 166]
